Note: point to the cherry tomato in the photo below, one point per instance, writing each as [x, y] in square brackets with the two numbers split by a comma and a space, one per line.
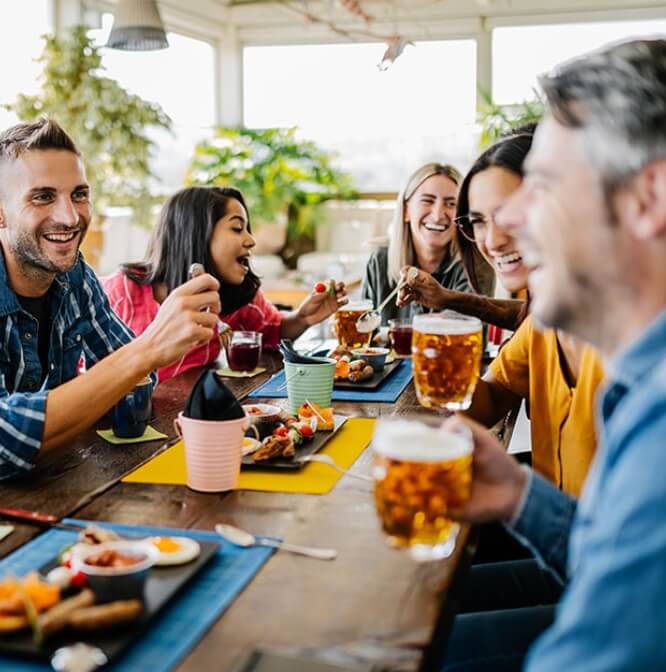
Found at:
[320, 288]
[306, 430]
[281, 431]
[78, 580]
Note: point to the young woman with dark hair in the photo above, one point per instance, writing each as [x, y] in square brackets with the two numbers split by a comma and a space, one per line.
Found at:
[555, 374]
[508, 156]
[211, 226]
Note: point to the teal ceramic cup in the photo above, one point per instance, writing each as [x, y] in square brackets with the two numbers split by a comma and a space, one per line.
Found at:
[313, 382]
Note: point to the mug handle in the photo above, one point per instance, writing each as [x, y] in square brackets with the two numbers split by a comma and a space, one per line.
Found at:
[178, 428]
[255, 431]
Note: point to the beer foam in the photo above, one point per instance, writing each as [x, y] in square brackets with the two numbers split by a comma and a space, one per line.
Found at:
[446, 326]
[416, 442]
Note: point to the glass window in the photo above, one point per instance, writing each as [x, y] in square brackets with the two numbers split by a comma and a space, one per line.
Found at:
[21, 25]
[181, 80]
[522, 53]
[382, 125]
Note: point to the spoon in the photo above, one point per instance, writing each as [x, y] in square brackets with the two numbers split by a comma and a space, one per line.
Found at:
[223, 329]
[371, 319]
[242, 538]
[327, 459]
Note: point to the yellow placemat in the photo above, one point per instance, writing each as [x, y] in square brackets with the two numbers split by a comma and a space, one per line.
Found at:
[349, 442]
[228, 373]
[149, 435]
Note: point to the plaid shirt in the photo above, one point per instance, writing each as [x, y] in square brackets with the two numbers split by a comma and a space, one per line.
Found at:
[83, 327]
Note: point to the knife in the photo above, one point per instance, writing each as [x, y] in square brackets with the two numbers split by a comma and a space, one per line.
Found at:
[36, 518]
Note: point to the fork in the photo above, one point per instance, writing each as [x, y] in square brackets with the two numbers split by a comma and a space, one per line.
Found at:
[326, 459]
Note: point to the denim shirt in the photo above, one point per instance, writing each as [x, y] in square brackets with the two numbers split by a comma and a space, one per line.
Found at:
[612, 615]
[83, 326]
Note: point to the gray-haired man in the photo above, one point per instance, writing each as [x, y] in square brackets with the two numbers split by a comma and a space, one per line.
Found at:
[591, 221]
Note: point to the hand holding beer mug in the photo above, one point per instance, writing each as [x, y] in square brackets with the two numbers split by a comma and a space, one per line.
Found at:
[446, 355]
[423, 474]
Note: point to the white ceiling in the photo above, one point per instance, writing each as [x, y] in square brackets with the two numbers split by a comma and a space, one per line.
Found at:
[271, 21]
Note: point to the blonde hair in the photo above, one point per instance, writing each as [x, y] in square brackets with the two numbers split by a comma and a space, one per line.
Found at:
[401, 248]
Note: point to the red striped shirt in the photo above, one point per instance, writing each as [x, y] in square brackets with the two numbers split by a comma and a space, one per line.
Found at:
[136, 306]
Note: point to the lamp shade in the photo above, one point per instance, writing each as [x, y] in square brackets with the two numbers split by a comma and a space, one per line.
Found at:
[137, 26]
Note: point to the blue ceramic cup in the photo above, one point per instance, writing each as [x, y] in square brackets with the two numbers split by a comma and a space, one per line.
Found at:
[131, 415]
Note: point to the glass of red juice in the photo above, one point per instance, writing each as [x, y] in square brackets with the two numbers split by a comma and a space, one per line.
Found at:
[244, 350]
[400, 335]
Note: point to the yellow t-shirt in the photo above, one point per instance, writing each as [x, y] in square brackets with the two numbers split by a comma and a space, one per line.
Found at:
[562, 418]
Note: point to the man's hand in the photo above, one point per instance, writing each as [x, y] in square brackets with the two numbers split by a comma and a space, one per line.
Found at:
[187, 318]
[322, 304]
[420, 287]
[497, 479]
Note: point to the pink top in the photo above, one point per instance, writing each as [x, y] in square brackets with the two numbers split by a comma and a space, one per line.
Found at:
[137, 308]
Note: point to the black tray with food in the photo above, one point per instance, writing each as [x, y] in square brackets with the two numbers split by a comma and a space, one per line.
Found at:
[162, 584]
[307, 447]
[372, 383]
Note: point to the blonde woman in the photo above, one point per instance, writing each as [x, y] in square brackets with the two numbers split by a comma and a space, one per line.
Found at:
[421, 235]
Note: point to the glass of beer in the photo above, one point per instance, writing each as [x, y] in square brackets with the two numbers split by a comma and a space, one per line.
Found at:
[446, 356]
[344, 324]
[423, 476]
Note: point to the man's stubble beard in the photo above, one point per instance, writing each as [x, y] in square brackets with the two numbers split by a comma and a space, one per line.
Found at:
[33, 262]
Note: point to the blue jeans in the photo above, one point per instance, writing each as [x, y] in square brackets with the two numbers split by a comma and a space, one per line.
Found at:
[505, 606]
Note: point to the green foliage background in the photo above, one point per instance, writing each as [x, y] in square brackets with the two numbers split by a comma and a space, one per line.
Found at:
[497, 120]
[276, 172]
[109, 125]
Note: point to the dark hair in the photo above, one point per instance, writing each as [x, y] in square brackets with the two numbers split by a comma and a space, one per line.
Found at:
[42, 134]
[182, 237]
[508, 153]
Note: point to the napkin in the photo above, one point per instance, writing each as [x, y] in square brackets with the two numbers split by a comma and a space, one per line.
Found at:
[228, 373]
[211, 399]
[289, 354]
[151, 434]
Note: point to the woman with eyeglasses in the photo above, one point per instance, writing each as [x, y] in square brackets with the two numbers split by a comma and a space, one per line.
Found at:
[555, 374]
[420, 236]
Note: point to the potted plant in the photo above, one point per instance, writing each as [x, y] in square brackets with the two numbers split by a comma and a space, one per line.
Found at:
[498, 120]
[109, 125]
[284, 180]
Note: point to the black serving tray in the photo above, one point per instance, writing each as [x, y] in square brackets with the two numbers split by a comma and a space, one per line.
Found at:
[371, 383]
[319, 440]
[162, 584]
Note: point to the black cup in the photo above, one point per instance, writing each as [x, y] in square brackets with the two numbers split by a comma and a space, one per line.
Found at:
[131, 415]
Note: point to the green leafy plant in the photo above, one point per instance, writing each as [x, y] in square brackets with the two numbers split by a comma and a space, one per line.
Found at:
[277, 173]
[109, 125]
[498, 120]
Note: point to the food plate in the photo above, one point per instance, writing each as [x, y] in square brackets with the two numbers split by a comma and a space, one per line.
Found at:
[162, 584]
[371, 383]
[319, 440]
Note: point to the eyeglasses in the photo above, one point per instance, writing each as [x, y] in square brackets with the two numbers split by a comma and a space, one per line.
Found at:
[471, 228]
[474, 227]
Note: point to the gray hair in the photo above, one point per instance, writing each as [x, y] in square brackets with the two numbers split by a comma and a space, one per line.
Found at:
[617, 98]
[401, 249]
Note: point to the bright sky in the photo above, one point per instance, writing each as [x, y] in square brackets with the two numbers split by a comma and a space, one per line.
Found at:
[336, 91]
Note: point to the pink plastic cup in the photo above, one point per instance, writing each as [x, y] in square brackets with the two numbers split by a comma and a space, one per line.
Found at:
[212, 451]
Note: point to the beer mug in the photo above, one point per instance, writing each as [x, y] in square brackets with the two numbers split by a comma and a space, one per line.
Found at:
[344, 325]
[446, 356]
[422, 474]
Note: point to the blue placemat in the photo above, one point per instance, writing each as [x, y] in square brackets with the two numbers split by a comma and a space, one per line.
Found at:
[182, 622]
[388, 391]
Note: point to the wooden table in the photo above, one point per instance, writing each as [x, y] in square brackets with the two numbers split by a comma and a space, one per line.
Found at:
[371, 604]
